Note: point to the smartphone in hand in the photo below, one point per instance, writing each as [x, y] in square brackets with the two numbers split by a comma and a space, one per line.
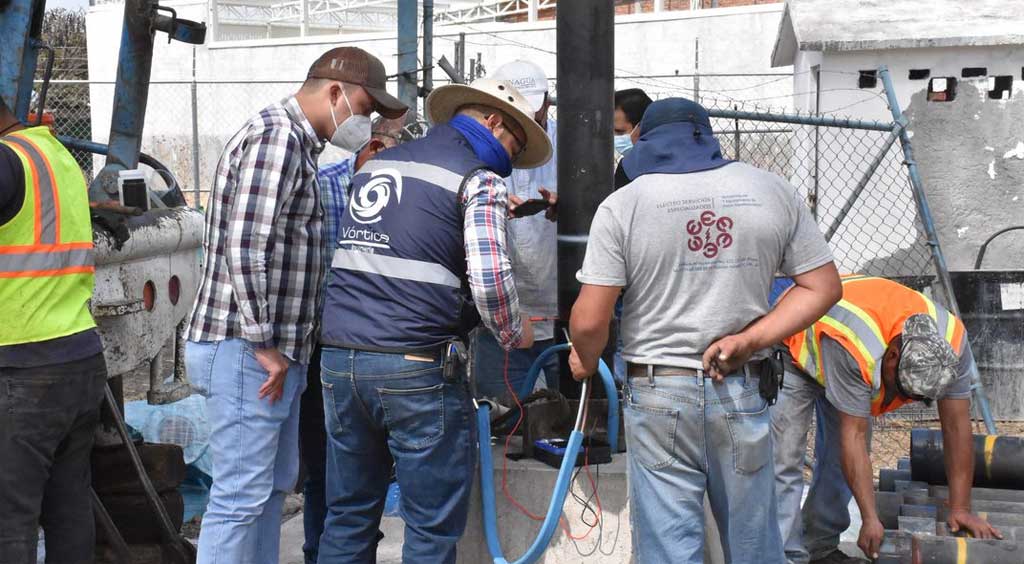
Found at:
[532, 206]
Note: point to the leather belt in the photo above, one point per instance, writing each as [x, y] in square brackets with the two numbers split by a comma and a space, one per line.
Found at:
[648, 370]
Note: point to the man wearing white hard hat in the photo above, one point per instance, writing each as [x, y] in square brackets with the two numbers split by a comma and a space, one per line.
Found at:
[533, 249]
[422, 259]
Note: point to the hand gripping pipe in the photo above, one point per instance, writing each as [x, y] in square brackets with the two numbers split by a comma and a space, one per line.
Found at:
[564, 480]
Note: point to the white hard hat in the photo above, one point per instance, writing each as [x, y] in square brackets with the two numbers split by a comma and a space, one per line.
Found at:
[528, 78]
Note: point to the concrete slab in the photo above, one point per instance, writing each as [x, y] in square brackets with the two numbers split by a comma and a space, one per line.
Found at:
[388, 552]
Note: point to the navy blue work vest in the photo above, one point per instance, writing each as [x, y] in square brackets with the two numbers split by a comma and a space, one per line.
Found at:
[398, 277]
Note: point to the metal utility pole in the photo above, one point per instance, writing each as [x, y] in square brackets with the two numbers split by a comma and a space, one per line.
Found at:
[407, 49]
[586, 51]
[460, 54]
[428, 46]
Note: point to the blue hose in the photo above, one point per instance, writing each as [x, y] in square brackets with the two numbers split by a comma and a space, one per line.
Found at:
[564, 480]
[606, 379]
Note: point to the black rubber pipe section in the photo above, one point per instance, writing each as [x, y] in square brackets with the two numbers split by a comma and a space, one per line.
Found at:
[998, 459]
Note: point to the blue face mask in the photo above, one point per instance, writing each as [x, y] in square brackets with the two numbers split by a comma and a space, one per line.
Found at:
[623, 143]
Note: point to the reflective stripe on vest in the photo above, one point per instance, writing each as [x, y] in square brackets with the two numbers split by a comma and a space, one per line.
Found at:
[428, 173]
[62, 259]
[863, 333]
[393, 267]
[47, 230]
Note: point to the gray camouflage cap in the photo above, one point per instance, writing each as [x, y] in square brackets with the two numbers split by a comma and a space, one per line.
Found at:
[927, 362]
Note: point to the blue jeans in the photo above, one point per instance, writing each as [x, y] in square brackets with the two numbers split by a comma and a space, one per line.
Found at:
[383, 408]
[687, 436]
[489, 367]
[254, 444]
[814, 531]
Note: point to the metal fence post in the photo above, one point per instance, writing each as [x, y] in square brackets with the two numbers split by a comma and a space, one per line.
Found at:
[195, 135]
[929, 229]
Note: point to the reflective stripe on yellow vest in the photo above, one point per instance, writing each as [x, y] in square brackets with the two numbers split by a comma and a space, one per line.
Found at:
[869, 316]
[46, 254]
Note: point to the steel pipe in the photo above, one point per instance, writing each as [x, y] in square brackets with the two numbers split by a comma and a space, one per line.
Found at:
[998, 459]
[957, 550]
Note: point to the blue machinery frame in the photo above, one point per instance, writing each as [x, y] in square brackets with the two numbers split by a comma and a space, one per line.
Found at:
[564, 480]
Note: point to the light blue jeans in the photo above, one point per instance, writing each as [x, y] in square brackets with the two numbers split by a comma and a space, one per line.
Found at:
[687, 436]
[255, 447]
[814, 531]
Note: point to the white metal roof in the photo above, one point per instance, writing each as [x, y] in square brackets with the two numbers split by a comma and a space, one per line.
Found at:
[861, 25]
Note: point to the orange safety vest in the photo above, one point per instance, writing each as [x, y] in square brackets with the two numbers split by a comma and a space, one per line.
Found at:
[868, 317]
[46, 252]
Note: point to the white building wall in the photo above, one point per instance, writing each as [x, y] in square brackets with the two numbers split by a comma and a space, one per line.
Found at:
[966, 149]
[236, 79]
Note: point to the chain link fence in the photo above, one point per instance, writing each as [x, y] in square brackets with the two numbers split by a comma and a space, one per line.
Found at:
[852, 173]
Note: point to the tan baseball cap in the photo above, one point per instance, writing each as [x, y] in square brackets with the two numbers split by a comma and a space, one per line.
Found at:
[355, 66]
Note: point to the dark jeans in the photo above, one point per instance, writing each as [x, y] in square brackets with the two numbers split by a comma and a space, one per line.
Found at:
[389, 407]
[313, 450]
[48, 416]
[489, 371]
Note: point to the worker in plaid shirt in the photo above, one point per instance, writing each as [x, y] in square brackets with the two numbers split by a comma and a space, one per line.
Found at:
[251, 331]
[335, 181]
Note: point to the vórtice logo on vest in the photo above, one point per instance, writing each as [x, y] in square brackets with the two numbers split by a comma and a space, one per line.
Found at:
[370, 199]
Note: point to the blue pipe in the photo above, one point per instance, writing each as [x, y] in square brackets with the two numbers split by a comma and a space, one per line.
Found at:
[564, 480]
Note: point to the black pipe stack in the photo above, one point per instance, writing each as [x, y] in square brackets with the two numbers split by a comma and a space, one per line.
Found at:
[912, 503]
[586, 52]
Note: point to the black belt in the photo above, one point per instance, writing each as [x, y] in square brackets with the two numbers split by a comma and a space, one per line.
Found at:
[634, 370]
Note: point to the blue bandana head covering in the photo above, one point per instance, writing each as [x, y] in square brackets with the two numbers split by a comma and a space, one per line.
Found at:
[675, 138]
[484, 144]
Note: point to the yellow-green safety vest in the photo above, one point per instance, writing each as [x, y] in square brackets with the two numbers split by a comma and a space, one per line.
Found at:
[46, 253]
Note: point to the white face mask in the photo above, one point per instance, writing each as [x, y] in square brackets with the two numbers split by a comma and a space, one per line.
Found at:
[352, 133]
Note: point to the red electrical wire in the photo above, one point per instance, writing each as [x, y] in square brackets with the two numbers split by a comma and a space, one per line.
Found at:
[504, 466]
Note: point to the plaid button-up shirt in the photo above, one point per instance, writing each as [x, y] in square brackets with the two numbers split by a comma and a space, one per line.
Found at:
[487, 257]
[262, 246]
[335, 180]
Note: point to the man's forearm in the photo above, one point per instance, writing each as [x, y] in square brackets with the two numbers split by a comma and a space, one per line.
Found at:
[815, 292]
[487, 263]
[589, 340]
[856, 464]
[957, 451]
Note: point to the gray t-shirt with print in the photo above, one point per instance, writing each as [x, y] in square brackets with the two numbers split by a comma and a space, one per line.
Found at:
[846, 389]
[696, 254]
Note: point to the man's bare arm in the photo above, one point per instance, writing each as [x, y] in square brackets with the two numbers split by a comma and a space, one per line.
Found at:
[588, 327]
[814, 293]
[856, 464]
[958, 452]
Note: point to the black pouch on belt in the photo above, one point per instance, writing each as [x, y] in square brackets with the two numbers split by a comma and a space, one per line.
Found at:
[456, 360]
[772, 372]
